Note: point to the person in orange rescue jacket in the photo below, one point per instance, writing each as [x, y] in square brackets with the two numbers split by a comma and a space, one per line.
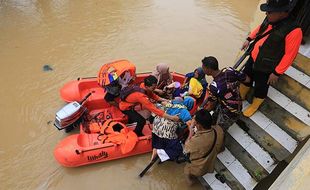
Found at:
[133, 95]
[275, 45]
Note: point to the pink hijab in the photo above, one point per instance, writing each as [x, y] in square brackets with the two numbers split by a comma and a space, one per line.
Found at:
[162, 74]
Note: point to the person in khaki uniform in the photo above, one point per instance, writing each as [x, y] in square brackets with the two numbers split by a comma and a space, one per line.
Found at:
[203, 146]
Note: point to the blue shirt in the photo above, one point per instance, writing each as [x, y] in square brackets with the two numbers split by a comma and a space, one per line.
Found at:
[179, 108]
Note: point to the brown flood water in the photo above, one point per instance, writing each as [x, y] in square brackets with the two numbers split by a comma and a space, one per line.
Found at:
[75, 38]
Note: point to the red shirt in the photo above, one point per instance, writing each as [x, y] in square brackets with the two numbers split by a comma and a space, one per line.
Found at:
[143, 99]
[292, 43]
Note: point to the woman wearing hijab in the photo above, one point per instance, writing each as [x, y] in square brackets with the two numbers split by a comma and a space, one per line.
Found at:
[163, 76]
[195, 84]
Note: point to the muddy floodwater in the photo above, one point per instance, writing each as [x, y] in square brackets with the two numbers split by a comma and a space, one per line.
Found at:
[44, 43]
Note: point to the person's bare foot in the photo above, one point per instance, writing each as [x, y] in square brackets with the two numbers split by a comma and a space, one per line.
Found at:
[154, 154]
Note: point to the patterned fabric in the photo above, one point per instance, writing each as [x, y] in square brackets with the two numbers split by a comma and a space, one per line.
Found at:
[165, 128]
[225, 90]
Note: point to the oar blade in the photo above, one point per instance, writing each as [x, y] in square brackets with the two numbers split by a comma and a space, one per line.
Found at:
[148, 167]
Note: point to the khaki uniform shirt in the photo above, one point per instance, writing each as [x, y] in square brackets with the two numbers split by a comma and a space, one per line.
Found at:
[198, 146]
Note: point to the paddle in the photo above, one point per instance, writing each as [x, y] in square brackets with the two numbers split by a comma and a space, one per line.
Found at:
[77, 151]
[246, 53]
[148, 166]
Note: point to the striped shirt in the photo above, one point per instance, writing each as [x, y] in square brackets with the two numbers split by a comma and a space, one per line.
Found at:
[225, 90]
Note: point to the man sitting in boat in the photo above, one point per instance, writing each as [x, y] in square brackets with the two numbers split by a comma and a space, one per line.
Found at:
[113, 77]
[114, 88]
[113, 91]
[133, 95]
[203, 147]
[165, 140]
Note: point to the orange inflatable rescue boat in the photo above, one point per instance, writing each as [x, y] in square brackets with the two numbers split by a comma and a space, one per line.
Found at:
[103, 135]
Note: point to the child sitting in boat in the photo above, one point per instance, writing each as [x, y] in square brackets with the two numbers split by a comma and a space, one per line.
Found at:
[165, 140]
[164, 78]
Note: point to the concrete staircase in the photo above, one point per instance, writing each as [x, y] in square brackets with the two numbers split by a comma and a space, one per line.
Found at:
[255, 145]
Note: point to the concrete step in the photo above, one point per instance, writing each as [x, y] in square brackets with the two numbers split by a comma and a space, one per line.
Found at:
[289, 105]
[265, 139]
[228, 178]
[301, 63]
[239, 143]
[213, 181]
[285, 120]
[297, 92]
[299, 76]
[239, 175]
